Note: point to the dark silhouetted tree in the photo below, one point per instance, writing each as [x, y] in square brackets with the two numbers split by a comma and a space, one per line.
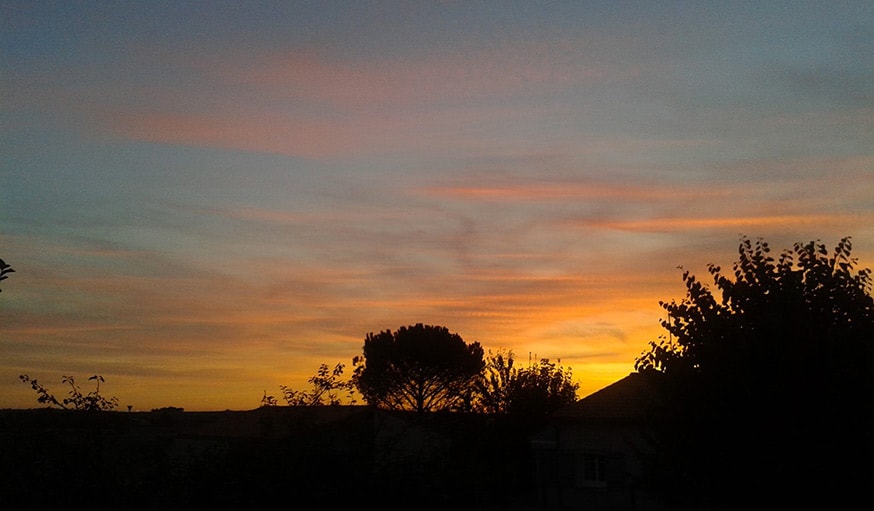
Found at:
[421, 368]
[768, 385]
[5, 270]
[77, 400]
[535, 391]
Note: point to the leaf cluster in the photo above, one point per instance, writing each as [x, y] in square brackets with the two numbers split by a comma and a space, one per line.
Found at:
[327, 387]
[5, 270]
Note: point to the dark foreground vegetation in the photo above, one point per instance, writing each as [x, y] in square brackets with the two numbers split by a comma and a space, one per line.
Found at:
[334, 457]
[766, 384]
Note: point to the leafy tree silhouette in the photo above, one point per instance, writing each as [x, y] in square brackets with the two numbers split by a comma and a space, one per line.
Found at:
[768, 387]
[421, 368]
[534, 391]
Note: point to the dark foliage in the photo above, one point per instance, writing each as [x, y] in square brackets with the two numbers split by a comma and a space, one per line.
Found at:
[76, 400]
[768, 386]
[5, 270]
[327, 387]
[420, 368]
[533, 391]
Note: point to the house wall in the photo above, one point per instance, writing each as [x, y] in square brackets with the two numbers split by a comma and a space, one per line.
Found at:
[591, 465]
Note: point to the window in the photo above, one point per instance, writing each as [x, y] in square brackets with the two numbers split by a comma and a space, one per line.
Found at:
[590, 470]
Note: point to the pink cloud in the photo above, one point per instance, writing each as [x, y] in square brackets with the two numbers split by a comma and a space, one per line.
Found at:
[307, 104]
[311, 136]
[418, 80]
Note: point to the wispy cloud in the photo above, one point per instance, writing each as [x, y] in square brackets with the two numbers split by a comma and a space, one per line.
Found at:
[434, 77]
[733, 224]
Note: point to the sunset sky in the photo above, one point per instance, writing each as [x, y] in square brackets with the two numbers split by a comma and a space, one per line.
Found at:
[206, 200]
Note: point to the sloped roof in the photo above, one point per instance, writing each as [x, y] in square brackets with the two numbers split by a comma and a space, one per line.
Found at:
[625, 399]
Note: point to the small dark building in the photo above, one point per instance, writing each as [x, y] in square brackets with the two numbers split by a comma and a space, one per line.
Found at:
[588, 456]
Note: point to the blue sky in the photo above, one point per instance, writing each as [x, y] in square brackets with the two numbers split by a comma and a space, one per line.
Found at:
[206, 200]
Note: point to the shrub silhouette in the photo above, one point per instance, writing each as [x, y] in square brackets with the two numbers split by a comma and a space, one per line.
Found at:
[534, 391]
[77, 400]
[327, 386]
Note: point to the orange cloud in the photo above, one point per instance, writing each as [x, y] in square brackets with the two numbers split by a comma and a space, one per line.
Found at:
[566, 190]
[687, 224]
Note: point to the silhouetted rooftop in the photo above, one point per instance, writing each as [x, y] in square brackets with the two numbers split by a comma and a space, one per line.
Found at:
[622, 400]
